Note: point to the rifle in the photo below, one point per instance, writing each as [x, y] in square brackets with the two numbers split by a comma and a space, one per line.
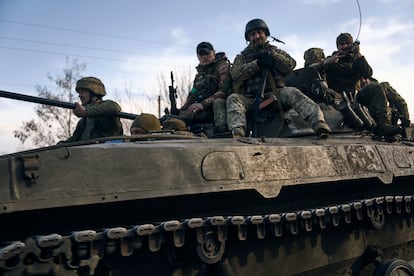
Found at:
[33, 99]
[173, 96]
[258, 100]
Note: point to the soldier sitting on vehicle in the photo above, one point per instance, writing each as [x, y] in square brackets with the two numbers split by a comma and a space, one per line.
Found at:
[145, 123]
[206, 102]
[313, 83]
[261, 62]
[344, 71]
[179, 127]
[97, 116]
[397, 108]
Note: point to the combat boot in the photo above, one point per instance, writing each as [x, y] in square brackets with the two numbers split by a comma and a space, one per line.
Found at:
[220, 129]
[321, 129]
[387, 130]
[384, 126]
[238, 132]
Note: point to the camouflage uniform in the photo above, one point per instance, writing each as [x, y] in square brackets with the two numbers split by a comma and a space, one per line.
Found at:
[100, 119]
[313, 58]
[210, 78]
[246, 76]
[384, 100]
[397, 104]
[344, 76]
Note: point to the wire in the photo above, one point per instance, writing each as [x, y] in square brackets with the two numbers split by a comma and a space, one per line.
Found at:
[82, 32]
[360, 20]
[74, 46]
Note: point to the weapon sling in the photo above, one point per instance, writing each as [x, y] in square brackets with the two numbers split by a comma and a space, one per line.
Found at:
[279, 102]
[259, 97]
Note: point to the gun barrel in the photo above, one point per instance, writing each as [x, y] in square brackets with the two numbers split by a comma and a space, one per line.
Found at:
[39, 100]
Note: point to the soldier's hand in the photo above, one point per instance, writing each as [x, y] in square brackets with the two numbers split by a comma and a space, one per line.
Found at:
[219, 94]
[355, 50]
[79, 111]
[405, 122]
[195, 107]
[333, 59]
[266, 61]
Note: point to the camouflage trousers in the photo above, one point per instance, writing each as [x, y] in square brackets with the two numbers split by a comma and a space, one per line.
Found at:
[290, 97]
[219, 110]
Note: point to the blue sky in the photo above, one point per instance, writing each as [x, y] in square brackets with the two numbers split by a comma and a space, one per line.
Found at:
[129, 44]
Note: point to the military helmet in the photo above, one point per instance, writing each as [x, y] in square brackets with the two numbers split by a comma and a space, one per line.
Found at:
[313, 55]
[344, 37]
[147, 122]
[93, 84]
[255, 24]
[174, 124]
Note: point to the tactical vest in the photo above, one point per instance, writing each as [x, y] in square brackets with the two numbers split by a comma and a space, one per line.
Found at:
[206, 82]
[250, 86]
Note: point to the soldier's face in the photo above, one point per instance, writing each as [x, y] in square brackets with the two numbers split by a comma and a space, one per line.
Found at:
[206, 57]
[137, 130]
[84, 96]
[344, 45]
[257, 37]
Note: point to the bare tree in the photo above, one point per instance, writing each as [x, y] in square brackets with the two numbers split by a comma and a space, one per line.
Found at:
[53, 123]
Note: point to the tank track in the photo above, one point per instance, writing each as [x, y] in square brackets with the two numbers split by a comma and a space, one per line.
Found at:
[79, 252]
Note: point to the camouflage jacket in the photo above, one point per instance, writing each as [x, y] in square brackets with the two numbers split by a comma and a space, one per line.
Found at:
[246, 74]
[345, 75]
[395, 100]
[210, 78]
[103, 124]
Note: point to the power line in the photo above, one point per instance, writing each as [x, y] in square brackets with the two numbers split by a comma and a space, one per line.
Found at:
[67, 54]
[72, 45]
[82, 31]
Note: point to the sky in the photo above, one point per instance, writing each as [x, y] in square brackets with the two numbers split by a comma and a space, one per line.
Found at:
[130, 44]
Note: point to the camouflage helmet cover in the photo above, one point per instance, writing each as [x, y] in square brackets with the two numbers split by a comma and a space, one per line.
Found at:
[313, 55]
[147, 122]
[93, 84]
[344, 37]
[255, 24]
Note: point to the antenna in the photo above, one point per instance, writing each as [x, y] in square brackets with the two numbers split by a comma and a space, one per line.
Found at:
[360, 21]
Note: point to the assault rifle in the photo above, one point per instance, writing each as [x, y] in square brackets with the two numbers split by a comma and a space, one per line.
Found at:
[33, 99]
[173, 96]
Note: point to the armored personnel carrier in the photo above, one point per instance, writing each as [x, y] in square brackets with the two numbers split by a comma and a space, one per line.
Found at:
[168, 204]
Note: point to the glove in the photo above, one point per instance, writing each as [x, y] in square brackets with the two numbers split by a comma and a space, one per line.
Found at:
[405, 122]
[265, 61]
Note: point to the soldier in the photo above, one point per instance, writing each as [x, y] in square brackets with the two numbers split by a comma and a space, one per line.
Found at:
[396, 105]
[179, 127]
[344, 69]
[258, 57]
[145, 123]
[317, 89]
[97, 116]
[206, 101]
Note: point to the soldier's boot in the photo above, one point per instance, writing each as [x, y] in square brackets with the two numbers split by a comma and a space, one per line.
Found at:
[220, 129]
[238, 132]
[321, 129]
[384, 126]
